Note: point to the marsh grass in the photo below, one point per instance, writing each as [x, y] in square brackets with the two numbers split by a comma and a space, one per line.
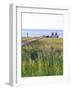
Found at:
[42, 58]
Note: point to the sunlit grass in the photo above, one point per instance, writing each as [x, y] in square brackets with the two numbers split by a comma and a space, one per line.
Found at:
[42, 58]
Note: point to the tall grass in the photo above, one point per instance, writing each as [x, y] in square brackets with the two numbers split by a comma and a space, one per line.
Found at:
[42, 58]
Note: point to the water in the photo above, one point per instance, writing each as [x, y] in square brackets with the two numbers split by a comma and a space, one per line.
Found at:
[40, 32]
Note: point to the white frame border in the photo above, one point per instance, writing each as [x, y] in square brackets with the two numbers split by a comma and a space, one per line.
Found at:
[14, 78]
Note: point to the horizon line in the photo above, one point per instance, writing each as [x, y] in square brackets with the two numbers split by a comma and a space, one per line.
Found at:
[43, 29]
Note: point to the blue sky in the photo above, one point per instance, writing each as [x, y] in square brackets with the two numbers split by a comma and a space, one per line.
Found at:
[40, 32]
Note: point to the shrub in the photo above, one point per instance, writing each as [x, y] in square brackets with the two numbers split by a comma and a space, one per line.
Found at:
[34, 54]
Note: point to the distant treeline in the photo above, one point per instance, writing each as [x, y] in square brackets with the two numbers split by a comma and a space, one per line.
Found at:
[53, 35]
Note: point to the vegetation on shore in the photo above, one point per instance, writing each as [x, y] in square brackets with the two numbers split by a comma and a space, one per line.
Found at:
[42, 58]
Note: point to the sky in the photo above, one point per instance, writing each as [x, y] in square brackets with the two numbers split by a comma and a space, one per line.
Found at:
[42, 21]
[42, 24]
[39, 32]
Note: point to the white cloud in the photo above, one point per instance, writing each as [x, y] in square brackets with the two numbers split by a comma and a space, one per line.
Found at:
[42, 21]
